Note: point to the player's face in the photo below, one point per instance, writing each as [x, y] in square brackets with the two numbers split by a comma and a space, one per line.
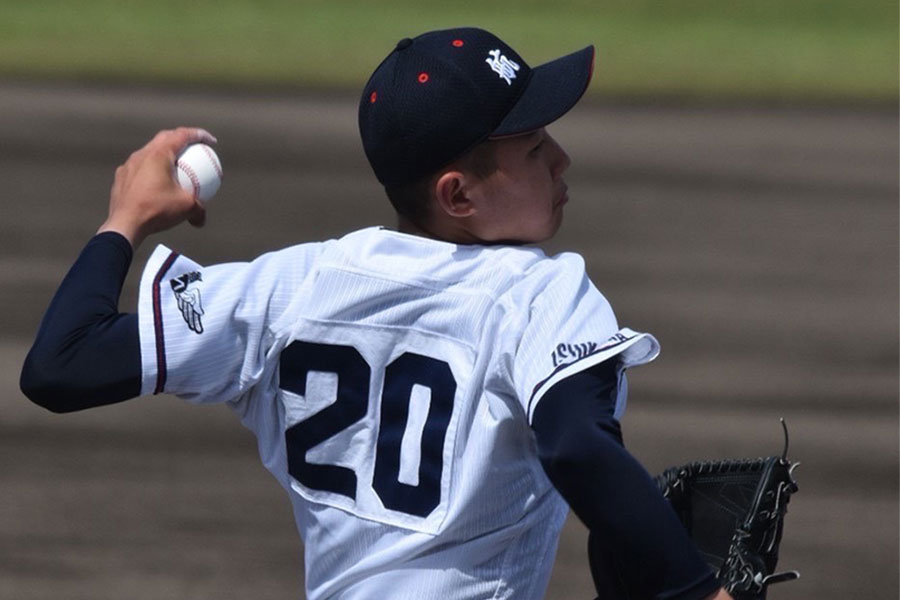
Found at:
[522, 201]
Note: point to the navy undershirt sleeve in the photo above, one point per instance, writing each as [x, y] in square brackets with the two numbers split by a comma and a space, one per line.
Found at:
[86, 353]
[638, 548]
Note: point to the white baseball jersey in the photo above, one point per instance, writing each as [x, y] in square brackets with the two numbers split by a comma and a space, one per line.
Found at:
[390, 380]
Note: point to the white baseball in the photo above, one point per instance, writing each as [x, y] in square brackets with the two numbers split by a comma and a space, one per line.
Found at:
[199, 171]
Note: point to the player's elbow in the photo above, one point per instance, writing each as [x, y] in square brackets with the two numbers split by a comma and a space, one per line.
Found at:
[43, 382]
[68, 378]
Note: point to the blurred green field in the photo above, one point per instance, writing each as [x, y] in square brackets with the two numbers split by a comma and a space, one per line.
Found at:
[827, 50]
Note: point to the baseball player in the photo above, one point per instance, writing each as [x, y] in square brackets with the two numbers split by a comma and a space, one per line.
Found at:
[433, 398]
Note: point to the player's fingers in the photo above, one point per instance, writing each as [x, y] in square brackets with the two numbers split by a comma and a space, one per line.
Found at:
[204, 136]
[183, 133]
[197, 216]
[192, 135]
[173, 140]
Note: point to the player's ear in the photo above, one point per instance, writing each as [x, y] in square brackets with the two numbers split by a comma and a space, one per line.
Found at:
[451, 194]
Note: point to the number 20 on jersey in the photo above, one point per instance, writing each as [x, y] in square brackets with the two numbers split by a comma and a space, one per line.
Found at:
[351, 405]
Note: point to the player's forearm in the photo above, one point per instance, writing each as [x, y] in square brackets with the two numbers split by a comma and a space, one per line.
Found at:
[631, 524]
[86, 353]
[618, 501]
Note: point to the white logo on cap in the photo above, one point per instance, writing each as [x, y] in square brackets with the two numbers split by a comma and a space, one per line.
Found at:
[502, 65]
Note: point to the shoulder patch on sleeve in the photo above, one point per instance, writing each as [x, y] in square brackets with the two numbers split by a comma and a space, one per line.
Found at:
[187, 296]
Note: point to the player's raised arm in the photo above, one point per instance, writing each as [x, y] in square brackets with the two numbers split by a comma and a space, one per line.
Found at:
[86, 353]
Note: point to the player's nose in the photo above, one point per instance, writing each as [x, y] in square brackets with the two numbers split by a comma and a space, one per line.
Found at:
[560, 161]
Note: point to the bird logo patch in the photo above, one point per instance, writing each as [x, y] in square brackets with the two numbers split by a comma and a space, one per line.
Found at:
[188, 299]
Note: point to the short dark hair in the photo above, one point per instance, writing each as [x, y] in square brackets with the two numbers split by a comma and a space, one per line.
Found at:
[413, 200]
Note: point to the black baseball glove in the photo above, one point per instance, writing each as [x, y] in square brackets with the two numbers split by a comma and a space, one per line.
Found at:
[734, 512]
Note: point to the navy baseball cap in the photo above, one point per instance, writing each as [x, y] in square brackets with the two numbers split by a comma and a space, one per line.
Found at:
[440, 94]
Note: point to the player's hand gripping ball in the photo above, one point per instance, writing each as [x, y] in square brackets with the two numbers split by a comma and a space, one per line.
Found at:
[199, 171]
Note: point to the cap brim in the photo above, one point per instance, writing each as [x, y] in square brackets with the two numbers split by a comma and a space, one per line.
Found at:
[554, 88]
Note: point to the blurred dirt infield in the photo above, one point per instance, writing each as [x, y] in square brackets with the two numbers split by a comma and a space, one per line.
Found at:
[760, 246]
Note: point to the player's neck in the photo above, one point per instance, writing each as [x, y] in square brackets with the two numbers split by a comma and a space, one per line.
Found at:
[450, 234]
[435, 232]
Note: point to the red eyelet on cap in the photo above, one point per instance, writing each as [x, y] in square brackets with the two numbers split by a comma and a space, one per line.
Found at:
[373, 97]
[423, 77]
[458, 43]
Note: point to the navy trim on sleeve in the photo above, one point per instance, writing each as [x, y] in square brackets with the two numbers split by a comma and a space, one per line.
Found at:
[158, 331]
[86, 353]
[638, 547]
[619, 340]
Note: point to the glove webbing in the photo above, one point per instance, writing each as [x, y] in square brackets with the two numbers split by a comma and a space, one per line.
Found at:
[744, 569]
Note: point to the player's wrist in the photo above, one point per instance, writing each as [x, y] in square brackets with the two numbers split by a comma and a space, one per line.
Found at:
[130, 232]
